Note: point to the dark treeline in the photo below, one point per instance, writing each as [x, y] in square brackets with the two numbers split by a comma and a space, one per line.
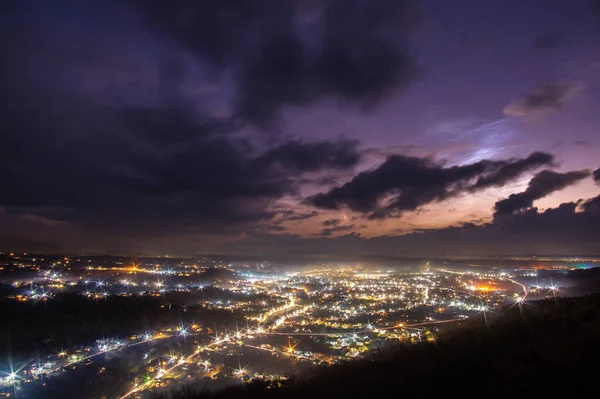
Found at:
[547, 348]
[70, 319]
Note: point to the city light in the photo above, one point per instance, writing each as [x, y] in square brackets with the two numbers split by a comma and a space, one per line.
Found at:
[347, 311]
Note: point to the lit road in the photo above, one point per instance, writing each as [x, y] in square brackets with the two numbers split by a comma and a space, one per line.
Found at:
[522, 286]
[242, 334]
[291, 334]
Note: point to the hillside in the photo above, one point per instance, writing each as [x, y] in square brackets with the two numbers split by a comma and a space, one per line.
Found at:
[550, 350]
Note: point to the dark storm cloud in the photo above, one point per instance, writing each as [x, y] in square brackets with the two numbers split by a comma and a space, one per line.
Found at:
[563, 230]
[592, 205]
[219, 169]
[293, 216]
[407, 183]
[99, 131]
[208, 181]
[331, 222]
[171, 125]
[547, 41]
[512, 170]
[353, 49]
[337, 229]
[547, 97]
[543, 184]
[597, 175]
[298, 157]
[275, 228]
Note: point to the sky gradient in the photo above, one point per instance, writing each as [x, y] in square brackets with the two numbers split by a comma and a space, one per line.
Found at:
[300, 128]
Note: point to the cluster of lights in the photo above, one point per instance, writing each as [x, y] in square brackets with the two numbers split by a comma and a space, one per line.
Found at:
[345, 302]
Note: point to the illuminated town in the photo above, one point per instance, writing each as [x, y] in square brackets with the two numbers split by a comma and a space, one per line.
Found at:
[266, 324]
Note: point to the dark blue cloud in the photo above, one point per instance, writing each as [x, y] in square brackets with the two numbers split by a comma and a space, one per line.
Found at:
[412, 182]
[99, 131]
[360, 53]
[543, 184]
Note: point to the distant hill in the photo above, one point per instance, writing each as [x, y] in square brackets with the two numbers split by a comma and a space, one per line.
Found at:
[550, 350]
[20, 244]
[582, 281]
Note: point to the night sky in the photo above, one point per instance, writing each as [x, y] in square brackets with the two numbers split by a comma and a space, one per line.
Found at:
[300, 128]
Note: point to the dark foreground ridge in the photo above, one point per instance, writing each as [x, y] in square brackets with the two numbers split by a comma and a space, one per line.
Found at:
[547, 348]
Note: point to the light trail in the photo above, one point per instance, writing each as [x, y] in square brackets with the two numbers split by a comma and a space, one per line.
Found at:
[522, 286]
[217, 341]
[273, 312]
[280, 352]
[276, 351]
[161, 372]
[374, 329]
